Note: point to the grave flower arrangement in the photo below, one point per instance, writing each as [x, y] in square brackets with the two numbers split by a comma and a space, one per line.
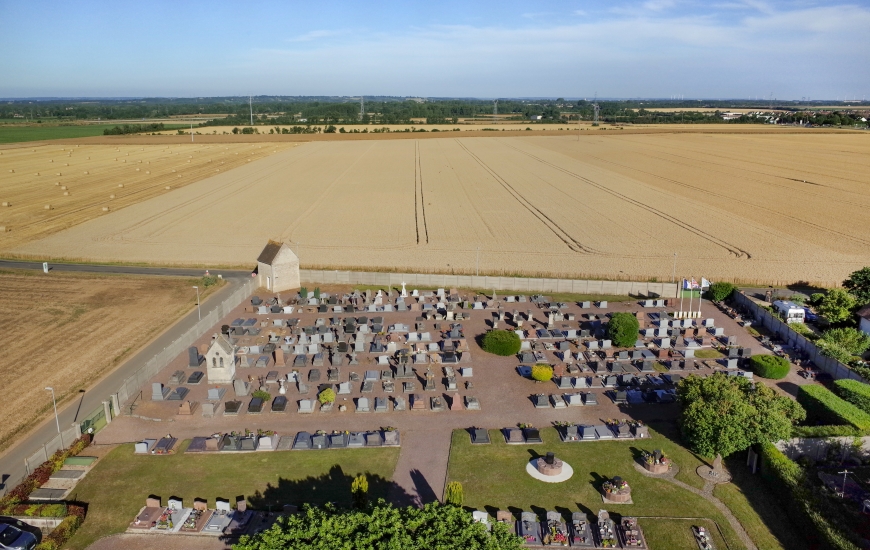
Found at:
[165, 520]
[655, 459]
[265, 433]
[615, 486]
[523, 426]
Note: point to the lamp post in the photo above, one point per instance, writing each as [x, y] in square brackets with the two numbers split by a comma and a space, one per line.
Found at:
[198, 310]
[54, 401]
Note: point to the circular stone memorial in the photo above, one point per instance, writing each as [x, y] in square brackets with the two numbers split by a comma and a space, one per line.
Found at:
[616, 491]
[549, 469]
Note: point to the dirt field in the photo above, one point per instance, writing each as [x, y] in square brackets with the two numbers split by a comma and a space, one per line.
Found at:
[78, 181]
[776, 207]
[65, 330]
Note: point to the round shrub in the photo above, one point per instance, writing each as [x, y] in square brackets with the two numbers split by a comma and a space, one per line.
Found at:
[770, 366]
[326, 396]
[623, 329]
[721, 291]
[501, 342]
[542, 372]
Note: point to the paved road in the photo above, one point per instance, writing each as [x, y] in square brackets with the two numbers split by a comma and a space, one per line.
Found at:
[12, 460]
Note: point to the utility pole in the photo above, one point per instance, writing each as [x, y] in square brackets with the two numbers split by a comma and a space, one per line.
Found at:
[191, 132]
[674, 272]
[251, 107]
[477, 264]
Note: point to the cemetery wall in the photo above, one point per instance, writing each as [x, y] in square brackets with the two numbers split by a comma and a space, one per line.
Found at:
[133, 385]
[817, 447]
[60, 441]
[772, 323]
[484, 282]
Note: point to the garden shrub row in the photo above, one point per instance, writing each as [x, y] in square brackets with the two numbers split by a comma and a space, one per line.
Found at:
[61, 534]
[856, 393]
[770, 366]
[824, 407]
[803, 504]
[826, 431]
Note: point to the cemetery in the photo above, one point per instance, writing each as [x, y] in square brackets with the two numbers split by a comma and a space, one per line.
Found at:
[326, 369]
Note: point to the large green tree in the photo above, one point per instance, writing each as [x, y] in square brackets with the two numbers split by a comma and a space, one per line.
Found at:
[622, 329]
[858, 284]
[836, 306]
[725, 414]
[381, 527]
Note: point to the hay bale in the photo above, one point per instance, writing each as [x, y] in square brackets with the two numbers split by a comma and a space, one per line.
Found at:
[86, 173]
[47, 207]
[11, 170]
[3, 227]
[111, 196]
[168, 187]
[63, 187]
[6, 203]
[66, 193]
[120, 185]
[105, 209]
[147, 171]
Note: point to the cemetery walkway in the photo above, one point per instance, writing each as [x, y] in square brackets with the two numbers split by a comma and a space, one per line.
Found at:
[707, 494]
[421, 470]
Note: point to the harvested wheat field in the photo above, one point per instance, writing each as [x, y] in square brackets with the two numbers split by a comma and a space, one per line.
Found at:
[47, 188]
[776, 208]
[69, 328]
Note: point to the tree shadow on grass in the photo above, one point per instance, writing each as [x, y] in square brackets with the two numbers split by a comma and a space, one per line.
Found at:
[333, 486]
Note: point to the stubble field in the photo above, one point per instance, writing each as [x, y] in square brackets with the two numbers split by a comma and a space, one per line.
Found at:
[77, 181]
[65, 330]
[776, 208]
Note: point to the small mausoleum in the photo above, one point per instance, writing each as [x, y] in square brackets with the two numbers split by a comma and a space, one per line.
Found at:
[278, 267]
[220, 360]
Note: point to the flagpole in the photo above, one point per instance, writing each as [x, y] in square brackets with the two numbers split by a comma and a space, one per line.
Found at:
[700, 295]
[682, 288]
[691, 293]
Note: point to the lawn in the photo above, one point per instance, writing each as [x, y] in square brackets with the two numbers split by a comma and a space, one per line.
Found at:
[676, 534]
[708, 354]
[118, 485]
[494, 478]
[36, 132]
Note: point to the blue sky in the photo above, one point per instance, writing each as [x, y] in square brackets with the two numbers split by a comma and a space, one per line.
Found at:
[647, 48]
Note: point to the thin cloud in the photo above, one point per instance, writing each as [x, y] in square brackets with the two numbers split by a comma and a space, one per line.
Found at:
[313, 35]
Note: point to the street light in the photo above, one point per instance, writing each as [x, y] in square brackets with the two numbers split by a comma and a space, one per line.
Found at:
[198, 310]
[54, 401]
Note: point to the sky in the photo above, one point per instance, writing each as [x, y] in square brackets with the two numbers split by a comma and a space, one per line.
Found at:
[450, 48]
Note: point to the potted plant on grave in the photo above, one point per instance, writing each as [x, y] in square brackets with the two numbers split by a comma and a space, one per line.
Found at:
[656, 462]
[616, 490]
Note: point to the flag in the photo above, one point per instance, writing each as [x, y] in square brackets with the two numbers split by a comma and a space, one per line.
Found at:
[695, 284]
[686, 285]
[704, 283]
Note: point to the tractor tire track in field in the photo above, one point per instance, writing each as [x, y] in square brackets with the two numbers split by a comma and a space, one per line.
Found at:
[731, 198]
[418, 184]
[557, 230]
[732, 249]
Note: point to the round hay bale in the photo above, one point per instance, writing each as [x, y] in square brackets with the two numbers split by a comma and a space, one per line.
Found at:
[168, 187]
[37, 174]
[66, 193]
[111, 196]
[173, 171]
[86, 173]
[2, 227]
[57, 174]
[50, 160]
[137, 169]
[147, 171]
[7, 203]
[47, 207]
[57, 183]
[105, 209]
[11, 170]
[63, 187]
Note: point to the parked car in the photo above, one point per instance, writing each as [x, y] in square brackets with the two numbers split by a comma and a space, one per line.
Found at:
[13, 538]
[810, 316]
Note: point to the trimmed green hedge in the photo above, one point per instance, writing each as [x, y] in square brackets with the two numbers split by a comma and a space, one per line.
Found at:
[802, 504]
[856, 393]
[501, 342]
[823, 406]
[826, 431]
[770, 366]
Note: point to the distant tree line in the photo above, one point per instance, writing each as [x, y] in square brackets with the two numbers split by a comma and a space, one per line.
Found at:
[133, 129]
